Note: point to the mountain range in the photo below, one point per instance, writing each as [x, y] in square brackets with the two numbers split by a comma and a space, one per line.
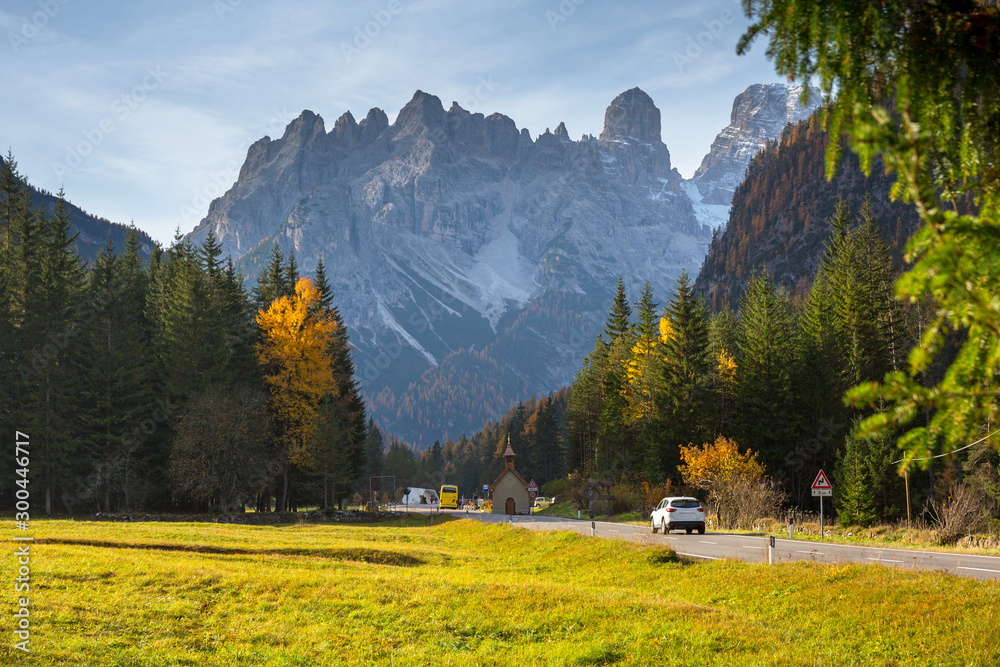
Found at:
[472, 263]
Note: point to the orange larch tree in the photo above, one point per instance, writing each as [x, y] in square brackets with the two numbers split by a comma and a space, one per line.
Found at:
[298, 369]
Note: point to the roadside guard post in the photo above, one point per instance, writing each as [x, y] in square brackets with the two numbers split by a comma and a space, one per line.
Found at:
[770, 550]
[821, 487]
[593, 528]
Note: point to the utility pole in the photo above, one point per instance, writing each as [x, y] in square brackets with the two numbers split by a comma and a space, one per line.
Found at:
[906, 475]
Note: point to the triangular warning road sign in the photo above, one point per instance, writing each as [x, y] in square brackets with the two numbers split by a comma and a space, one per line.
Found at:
[821, 481]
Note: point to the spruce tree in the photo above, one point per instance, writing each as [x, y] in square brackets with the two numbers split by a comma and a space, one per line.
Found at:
[583, 412]
[121, 415]
[272, 280]
[648, 323]
[347, 408]
[684, 396]
[291, 274]
[58, 380]
[722, 351]
[619, 318]
[766, 419]
[855, 488]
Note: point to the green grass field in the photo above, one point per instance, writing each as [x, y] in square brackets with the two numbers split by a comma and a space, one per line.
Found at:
[465, 593]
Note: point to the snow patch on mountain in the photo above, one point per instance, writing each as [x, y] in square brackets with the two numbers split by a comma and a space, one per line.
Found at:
[714, 215]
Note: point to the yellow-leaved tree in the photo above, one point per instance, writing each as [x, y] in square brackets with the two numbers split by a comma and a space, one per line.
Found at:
[734, 480]
[298, 369]
[644, 374]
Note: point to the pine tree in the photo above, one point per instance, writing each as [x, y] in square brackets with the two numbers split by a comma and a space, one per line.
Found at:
[323, 285]
[116, 371]
[619, 323]
[722, 350]
[272, 281]
[684, 396]
[347, 402]
[210, 253]
[767, 421]
[583, 412]
[545, 429]
[648, 324]
[855, 487]
[62, 288]
[915, 85]
[291, 274]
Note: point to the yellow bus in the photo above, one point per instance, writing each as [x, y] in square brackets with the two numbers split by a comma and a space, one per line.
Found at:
[449, 497]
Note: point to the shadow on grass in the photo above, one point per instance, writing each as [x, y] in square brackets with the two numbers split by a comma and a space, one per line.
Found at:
[361, 555]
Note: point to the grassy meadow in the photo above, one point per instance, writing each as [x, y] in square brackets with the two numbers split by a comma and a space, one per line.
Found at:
[464, 593]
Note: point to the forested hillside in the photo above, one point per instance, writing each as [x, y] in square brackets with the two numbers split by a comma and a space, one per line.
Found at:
[92, 231]
[780, 213]
[675, 393]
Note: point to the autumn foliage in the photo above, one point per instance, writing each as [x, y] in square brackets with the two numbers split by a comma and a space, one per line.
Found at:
[734, 480]
[298, 370]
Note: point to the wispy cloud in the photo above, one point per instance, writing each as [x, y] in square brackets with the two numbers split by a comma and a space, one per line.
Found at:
[233, 73]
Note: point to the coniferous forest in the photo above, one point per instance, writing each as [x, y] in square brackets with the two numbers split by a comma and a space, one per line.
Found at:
[163, 384]
[666, 378]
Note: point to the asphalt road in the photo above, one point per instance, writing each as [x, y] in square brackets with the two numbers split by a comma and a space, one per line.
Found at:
[754, 548]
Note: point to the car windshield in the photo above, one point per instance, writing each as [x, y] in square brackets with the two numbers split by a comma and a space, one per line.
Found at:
[685, 504]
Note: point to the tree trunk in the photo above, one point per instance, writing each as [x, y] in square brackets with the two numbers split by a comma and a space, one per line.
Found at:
[326, 483]
[48, 462]
[284, 488]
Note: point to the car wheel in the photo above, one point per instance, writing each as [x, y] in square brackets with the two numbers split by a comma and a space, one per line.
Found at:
[652, 523]
[701, 530]
[687, 530]
[666, 528]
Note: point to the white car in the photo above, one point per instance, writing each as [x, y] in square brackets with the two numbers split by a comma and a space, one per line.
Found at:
[677, 513]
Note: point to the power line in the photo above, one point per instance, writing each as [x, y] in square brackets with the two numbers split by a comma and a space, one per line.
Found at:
[939, 456]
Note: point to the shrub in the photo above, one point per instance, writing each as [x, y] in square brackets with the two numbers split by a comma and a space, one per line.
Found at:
[732, 479]
[626, 497]
[555, 488]
[957, 511]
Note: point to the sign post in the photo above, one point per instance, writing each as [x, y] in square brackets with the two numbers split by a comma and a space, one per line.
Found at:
[821, 487]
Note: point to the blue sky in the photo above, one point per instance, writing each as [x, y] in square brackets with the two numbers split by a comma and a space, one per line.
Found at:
[144, 110]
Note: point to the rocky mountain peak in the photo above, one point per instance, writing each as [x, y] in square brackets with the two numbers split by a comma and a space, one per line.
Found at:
[372, 125]
[423, 110]
[307, 126]
[759, 115]
[632, 116]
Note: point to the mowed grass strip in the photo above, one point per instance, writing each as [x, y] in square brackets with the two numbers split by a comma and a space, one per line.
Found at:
[466, 593]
